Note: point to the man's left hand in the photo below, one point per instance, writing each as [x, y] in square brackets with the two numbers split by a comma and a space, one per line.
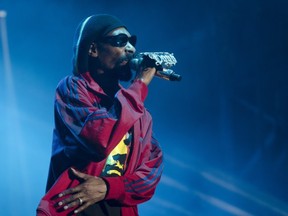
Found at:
[92, 189]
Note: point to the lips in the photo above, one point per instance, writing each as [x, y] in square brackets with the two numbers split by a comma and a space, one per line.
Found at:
[124, 62]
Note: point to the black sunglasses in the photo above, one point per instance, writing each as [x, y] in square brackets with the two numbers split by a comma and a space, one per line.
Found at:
[120, 40]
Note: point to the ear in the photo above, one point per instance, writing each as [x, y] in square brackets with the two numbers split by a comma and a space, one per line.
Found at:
[93, 50]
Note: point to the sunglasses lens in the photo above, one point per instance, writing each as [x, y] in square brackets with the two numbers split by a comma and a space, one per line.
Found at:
[120, 40]
[133, 40]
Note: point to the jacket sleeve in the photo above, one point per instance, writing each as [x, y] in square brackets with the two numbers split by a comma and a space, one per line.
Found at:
[139, 185]
[97, 128]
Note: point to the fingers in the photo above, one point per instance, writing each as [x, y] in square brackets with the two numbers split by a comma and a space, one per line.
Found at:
[78, 188]
[70, 202]
[69, 191]
[74, 201]
[146, 75]
[81, 208]
[91, 190]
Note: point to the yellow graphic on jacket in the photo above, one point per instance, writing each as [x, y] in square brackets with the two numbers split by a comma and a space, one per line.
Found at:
[117, 158]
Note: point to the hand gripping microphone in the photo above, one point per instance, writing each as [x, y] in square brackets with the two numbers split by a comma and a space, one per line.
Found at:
[162, 61]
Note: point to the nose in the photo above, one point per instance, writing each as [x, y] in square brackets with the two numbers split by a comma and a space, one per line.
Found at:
[130, 48]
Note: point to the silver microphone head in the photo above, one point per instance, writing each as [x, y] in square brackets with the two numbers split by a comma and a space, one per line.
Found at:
[162, 61]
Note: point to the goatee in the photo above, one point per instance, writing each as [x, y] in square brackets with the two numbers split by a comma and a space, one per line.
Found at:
[124, 73]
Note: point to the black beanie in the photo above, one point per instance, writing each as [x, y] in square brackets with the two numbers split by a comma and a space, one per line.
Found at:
[89, 30]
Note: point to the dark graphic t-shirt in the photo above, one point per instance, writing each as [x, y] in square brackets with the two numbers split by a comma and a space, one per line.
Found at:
[116, 161]
[115, 166]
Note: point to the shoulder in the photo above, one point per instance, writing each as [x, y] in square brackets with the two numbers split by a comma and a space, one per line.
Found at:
[70, 83]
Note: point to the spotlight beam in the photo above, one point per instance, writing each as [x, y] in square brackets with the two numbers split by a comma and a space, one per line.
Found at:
[14, 148]
[6, 54]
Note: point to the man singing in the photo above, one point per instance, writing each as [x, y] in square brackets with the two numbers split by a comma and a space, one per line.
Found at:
[103, 133]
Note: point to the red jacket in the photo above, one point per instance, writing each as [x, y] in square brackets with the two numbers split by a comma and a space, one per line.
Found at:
[89, 124]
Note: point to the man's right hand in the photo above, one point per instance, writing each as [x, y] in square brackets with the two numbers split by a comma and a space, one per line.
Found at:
[146, 75]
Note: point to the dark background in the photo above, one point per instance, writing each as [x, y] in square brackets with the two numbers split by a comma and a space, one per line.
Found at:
[223, 128]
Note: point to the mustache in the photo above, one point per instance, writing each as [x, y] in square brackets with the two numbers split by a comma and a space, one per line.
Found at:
[127, 57]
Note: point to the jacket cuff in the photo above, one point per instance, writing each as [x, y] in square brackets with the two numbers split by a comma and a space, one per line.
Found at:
[141, 88]
[115, 188]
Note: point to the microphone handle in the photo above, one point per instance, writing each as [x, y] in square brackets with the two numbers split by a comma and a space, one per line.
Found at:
[161, 72]
[168, 74]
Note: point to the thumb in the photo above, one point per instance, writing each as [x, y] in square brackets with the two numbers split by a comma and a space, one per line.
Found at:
[78, 174]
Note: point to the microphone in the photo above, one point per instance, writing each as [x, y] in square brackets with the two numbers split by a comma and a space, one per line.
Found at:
[162, 61]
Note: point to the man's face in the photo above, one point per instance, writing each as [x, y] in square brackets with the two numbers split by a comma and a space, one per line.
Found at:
[114, 53]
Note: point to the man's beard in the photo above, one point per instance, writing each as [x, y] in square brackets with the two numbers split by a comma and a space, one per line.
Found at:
[124, 73]
[120, 72]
